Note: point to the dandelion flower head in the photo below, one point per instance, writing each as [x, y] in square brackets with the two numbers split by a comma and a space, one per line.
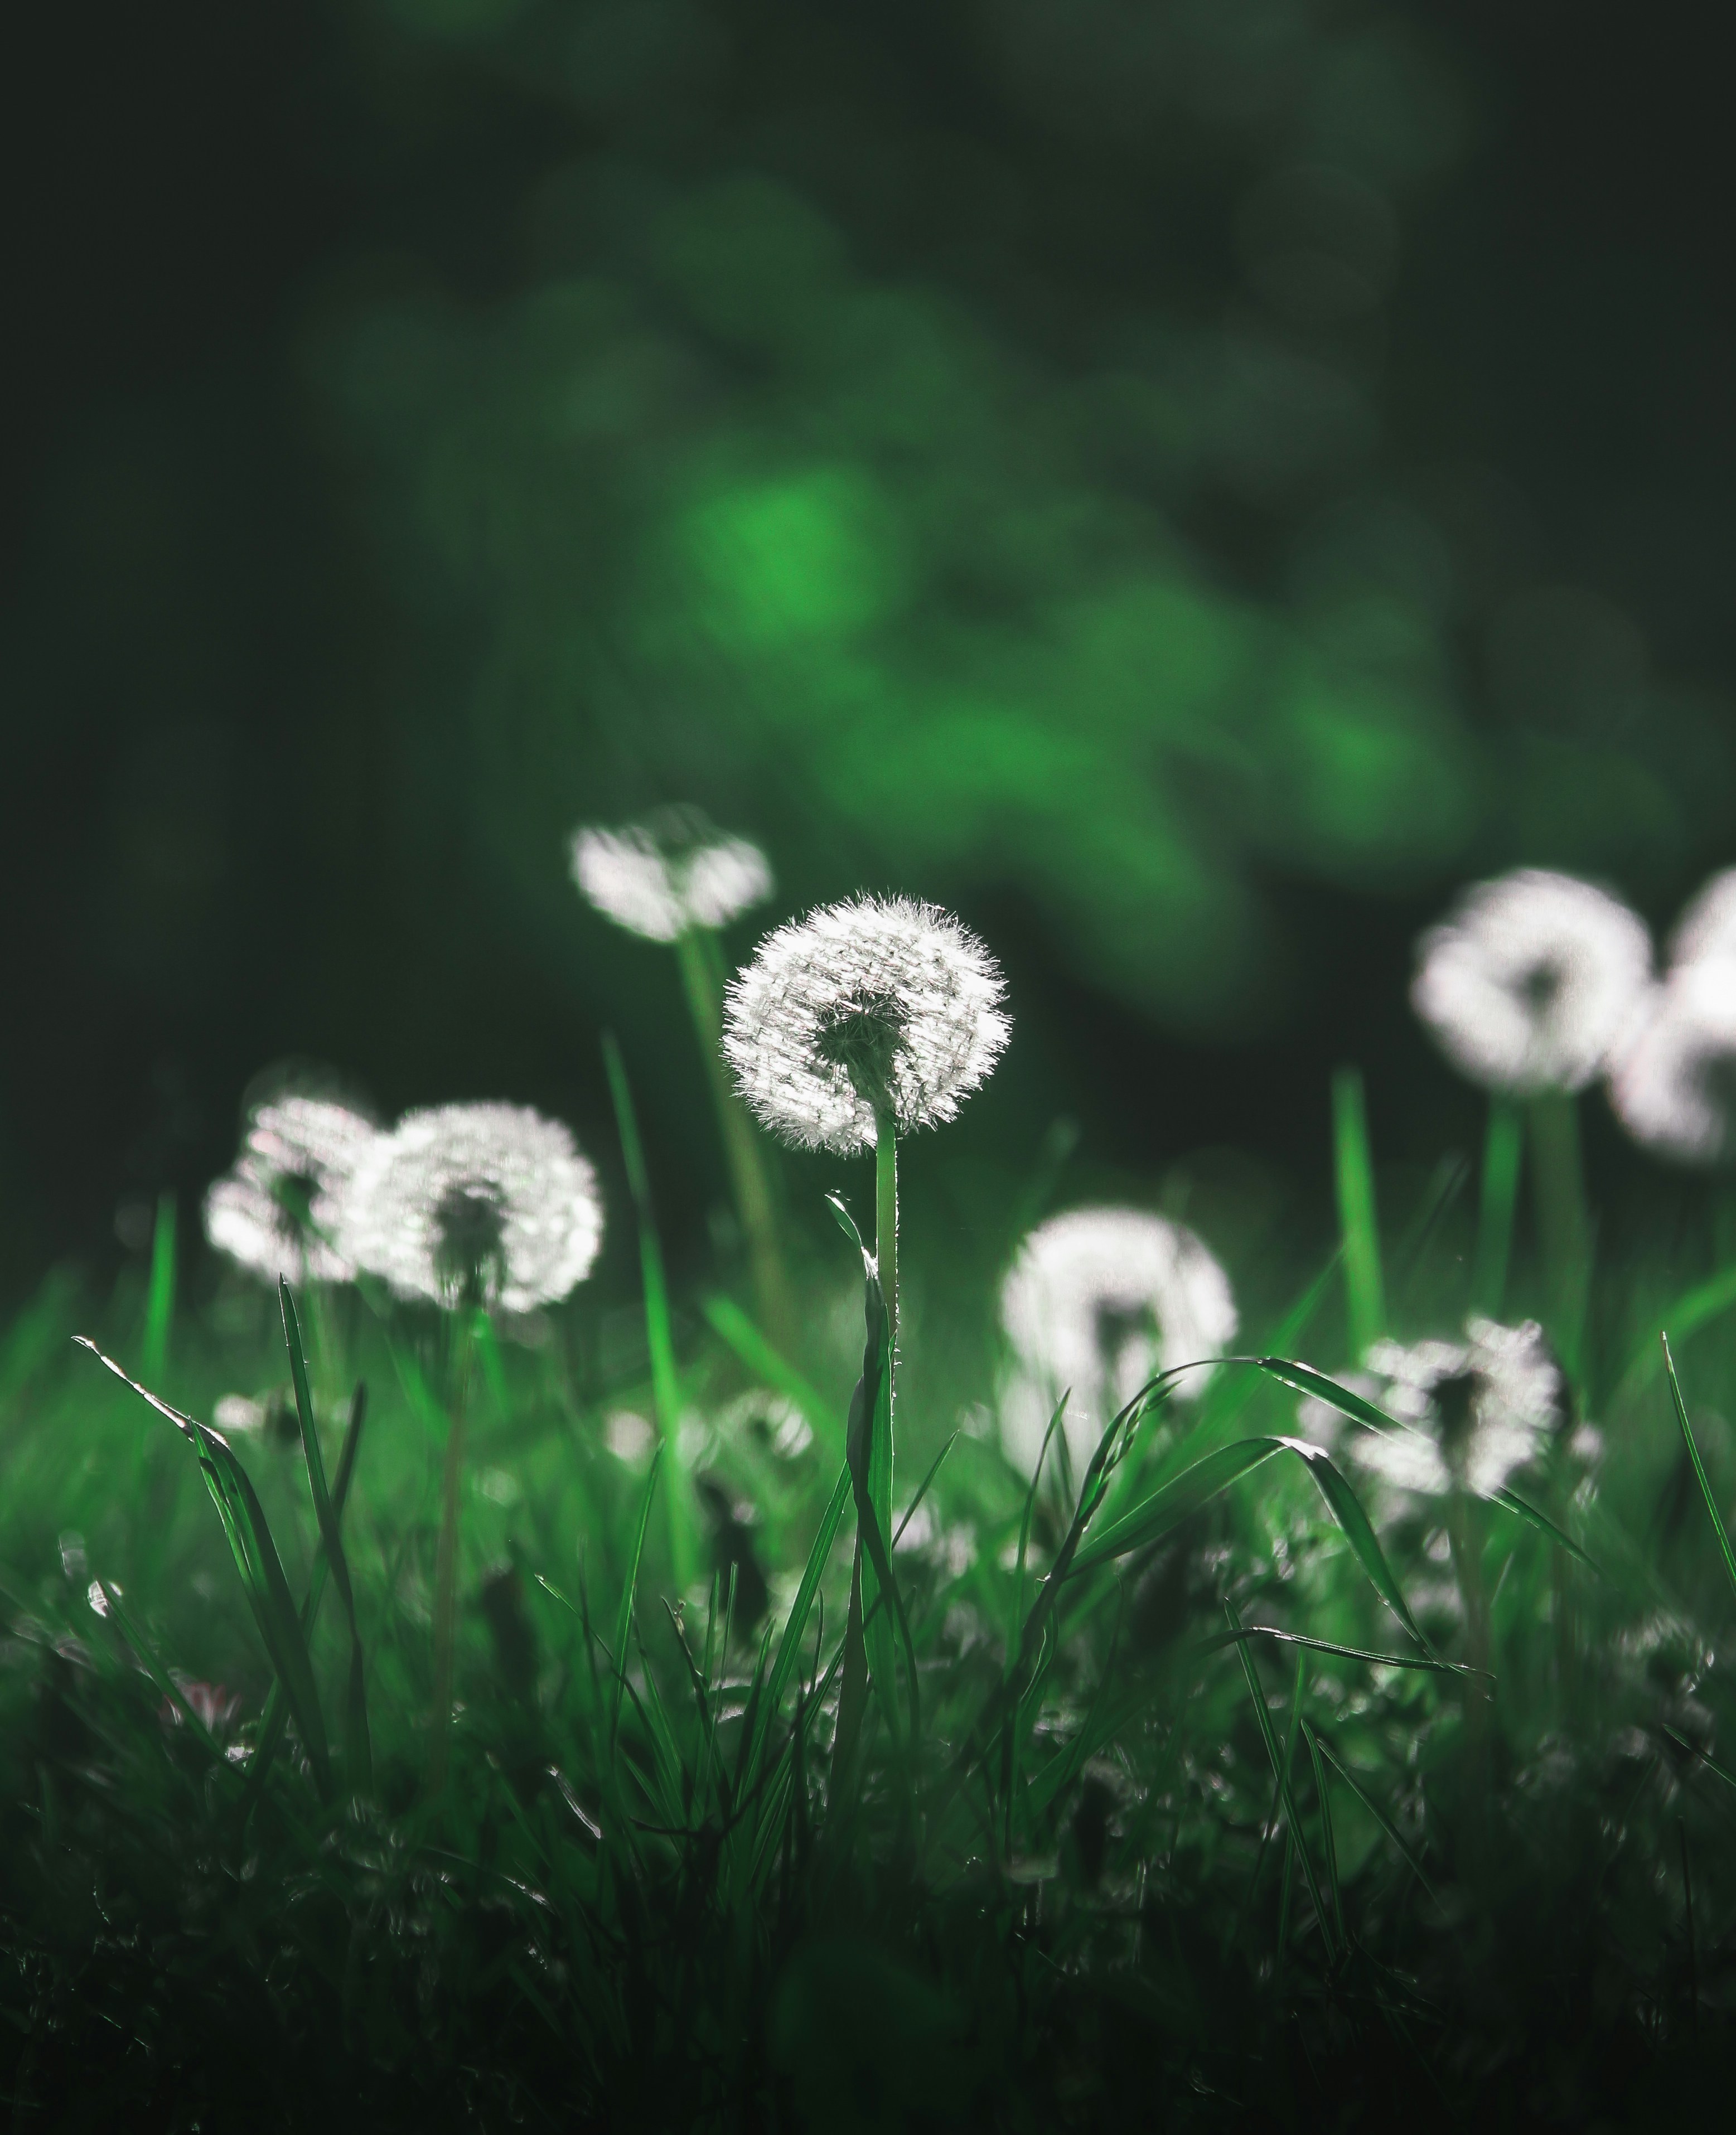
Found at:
[1707, 929]
[1673, 1085]
[669, 874]
[878, 1007]
[489, 1203]
[1097, 1301]
[280, 1210]
[1533, 981]
[1472, 1411]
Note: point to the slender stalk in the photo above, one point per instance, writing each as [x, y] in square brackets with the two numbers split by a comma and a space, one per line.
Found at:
[1503, 1151]
[1563, 1221]
[1358, 1224]
[160, 1297]
[696, 952]
[446, 1558]
[886, 1215]
[1464, 1534]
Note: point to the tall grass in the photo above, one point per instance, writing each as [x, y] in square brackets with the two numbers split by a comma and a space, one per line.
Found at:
[1198, 1798]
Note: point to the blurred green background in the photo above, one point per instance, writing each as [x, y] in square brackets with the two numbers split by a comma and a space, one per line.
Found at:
[1186, 482]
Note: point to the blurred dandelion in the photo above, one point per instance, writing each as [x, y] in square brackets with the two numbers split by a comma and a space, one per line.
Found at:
[488, 1205]
[1532, 981]
[1097, 1301]
[280, 1210]
[1673, 1084]
[1473, 1412]
[672, 872]
[676, 878]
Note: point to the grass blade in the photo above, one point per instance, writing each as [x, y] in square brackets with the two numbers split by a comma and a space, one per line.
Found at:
[1354, 1173]
[790, 1644]
[262, 1572]
[659, 1329]
[1220, 1639]
[1325, 1823]
[1700, 1468]
[160, 1295]
[1511, 1502]
[165, 1683]
[1378, 1813]
[623, 1615]
[1503, 1153]
[358, 1752]
[1281, 1765]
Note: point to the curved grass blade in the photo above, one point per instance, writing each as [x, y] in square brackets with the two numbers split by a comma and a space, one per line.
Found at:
[789, 1645]
[256, 1558]
[1378, 1814]
[1220, 1639]
[152, 1663]
[623, 1615]
[1700, 1466]
[1510, 1501]
[1280, 1765]
[1354, 1172]
[1304, 1379]
[358, 1751]
[1332, 1843]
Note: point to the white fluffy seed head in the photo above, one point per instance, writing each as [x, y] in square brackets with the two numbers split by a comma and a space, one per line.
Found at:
[1097, 1300]
[1673, 1085]
[491, 1203]
[281, 1210]
[876, 1005]
[1472, 1411]
[670, 874]
[1532, 982]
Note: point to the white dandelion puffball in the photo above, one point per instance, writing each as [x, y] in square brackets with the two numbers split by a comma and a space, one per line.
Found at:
[1533, 981]
[1472, 1411]
[491, 1202]
[1707, 929]
[1098, 1300]
[1674, 1085]
[281, 1209]
[670, 874]
[876, 1007]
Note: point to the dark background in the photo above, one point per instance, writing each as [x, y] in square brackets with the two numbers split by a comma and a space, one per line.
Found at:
[240, 815]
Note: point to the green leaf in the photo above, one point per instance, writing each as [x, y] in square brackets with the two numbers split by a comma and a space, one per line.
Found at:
[358, 1752]
[1511, 1502]
[623, 1615]
[1700, 1468]
[1220, 1639]
[1304, 1379]
[790, 1644]
[1354, 1168]
[1378, 1813]
[261, 1569]
[1280, 1765]
[160, 1295]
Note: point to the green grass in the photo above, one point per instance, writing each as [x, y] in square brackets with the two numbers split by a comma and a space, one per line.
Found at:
[1184, 1803]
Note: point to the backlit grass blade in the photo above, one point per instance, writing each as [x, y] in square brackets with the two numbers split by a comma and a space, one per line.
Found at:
[1511, 1502]
[256, 1558]
[729, 1321]
[659, 1330]
[1428, 1662]
[160, 1296]
[789, 1646]
[1304, 1379]
[1326, 1826]
[358, 1751]
[1503, 1152]
[624, 1613]
[1281, 1765]
[1695, 1309]
[1378, 1813]
[868, 1429]
[1354, 1174]
[1700, 1468]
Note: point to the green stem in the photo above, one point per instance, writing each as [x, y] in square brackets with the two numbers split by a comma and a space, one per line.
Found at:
[1503, 1151]
[160, 1297]
[1563, 1221]
[696, 953]
[885, 1215]
[446, 1558]
[1358, 1225]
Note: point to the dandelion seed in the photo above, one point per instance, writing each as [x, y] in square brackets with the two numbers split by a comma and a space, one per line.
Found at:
[280, 1210]
[671, 872]
[876, 1009]
[1533, 981]
[1098, 1300]
[1473, 1412]
[489, 1203]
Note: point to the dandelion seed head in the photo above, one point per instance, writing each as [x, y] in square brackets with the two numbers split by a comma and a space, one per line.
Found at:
[491, 1202]
[1673, 1085]
[1533, 981]
[878, 1006]
[281, 1208]
[1707, 928]
[1097, 1300]
[1472, 1413]
[668, 874]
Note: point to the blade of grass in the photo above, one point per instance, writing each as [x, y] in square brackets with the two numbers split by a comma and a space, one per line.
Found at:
[1378, 1814]
[358, 1751]
[1428, 1662]
[1281, 1765]
[1503, 1153]
[256, 1558]
[160, 1296]
[789, 1645]
[1332, 1843]
[1354, 1175]
[730, 1322]
[659, 1332]
[1510, 1501]
[1700, 1468]
[623, 1615]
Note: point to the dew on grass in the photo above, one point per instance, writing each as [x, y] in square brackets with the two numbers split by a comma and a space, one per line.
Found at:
[489, 1203]
[877, 1006]
[280, 1209]
[670, 874]
[1533, 981]
[1096, 1301]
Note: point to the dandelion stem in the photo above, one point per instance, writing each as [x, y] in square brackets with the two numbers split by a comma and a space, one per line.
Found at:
[696, 951]
[1502, 1154]
[446, 1558]
[886, 1215]
[1354, 1166]
[1563, 1221]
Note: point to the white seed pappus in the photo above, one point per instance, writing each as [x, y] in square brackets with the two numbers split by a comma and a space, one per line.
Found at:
[281, 1209]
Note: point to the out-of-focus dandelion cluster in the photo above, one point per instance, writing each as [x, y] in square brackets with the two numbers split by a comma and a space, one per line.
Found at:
[1541, 982]
[878, 1010]
[673, 872]
[488, 1203]
[1096, 1301]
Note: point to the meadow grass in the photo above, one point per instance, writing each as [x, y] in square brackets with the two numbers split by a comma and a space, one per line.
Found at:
[1216, 1790]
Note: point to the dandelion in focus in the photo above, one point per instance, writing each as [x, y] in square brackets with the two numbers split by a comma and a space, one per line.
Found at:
[1673, 1085]
[677, 878]
[281, 1209]
[485, 1205]
[1097, 1301]
[478, 1209]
